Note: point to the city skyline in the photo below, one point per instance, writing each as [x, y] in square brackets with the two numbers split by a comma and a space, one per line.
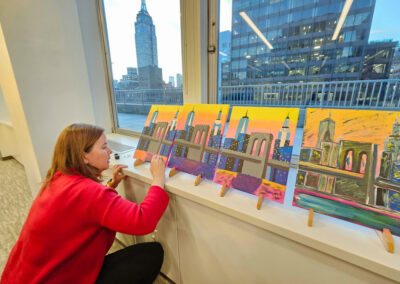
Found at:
[121, 15]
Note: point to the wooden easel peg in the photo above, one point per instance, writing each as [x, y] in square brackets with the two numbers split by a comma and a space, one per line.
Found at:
[224, 189]
[198, 180]
[137, 162]
[387, 239]
[260, 199]
[310, 217]
[173, 172]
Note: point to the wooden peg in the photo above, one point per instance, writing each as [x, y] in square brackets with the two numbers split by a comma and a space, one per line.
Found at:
[198, 180]
[260, 199]
[224, 188]
[173, 172]
[387, 239]
[137, 162]
[310, 217]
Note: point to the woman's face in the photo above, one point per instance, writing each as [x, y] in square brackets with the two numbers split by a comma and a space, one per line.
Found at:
[99, 155]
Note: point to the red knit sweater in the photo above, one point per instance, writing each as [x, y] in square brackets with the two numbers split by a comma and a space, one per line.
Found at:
[72, 225]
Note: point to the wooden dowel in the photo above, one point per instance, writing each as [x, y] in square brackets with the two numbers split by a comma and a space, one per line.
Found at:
[387, 239]
[310, 217]
[224, 188]
[137, 162]
[173, 172]
[198, 180]
[260, 200]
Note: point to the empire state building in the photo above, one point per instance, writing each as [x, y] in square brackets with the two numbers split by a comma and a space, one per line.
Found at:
[145, 38]
[150, 76]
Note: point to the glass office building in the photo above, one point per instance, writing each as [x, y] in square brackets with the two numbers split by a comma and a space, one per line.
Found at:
[303, 45]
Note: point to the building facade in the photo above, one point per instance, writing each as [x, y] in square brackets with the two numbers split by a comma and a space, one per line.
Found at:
[304, 47]
[150, 76]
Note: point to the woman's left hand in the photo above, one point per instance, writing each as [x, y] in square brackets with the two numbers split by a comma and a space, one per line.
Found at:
[118, 175]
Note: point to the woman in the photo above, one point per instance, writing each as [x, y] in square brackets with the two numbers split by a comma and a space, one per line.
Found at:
[73, 221]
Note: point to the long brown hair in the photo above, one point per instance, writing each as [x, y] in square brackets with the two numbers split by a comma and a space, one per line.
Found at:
[68, 152]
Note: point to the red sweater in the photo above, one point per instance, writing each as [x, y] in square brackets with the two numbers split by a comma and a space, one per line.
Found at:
[72, 225]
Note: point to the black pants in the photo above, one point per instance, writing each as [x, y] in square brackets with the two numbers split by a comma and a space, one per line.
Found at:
[140, 263]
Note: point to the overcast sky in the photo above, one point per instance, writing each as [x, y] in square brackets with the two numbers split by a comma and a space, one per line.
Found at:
[121, 17]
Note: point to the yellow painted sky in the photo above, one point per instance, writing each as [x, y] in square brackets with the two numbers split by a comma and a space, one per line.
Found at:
[356, 125]
[204, 114]
[264, 119]
[165, 113]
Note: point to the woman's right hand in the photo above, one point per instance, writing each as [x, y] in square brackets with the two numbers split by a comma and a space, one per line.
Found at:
[157, 169]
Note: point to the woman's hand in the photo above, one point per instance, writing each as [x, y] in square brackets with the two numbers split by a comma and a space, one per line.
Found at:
[157, 169]
[118, 175]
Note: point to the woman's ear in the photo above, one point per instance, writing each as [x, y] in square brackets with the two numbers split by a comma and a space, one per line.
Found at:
[85, 158]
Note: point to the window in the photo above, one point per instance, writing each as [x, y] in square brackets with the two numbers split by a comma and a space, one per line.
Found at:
[144, 40]
[298, 43]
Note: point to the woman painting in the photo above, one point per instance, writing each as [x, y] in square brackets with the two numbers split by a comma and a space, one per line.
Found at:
[73, 221]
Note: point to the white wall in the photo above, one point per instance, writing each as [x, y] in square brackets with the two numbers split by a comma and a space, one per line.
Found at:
[57, 58]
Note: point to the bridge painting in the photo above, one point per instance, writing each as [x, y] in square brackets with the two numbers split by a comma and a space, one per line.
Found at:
[158, 133]
[257, 150]
[349, 166]
[198, 139]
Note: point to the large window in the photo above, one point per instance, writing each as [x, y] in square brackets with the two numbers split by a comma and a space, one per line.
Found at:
[144, 42]
[272, 42]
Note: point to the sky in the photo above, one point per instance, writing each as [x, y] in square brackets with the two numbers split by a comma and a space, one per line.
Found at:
[121, 17]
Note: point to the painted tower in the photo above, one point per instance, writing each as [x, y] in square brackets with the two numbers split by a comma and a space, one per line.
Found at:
[326, 131]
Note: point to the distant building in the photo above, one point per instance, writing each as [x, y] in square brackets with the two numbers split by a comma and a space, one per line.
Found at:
[130, 80]
[179, 81]
[395, 68]
[301, 34]
[145, 38]
[171, 81]
[150, 76]
[224, 57]
[378, 60]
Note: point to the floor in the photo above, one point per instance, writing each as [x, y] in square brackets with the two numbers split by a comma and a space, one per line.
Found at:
[15, 201]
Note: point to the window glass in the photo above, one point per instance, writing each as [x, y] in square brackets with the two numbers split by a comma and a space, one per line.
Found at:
[304, 41]
[144, 40]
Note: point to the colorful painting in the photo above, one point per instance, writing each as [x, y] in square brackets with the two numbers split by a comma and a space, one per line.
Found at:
[158, 133]
[257, 150]
[350, 166]
[198, 139]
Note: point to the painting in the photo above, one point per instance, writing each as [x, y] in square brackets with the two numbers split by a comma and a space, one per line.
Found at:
[257, 150]
[198, 139]
[349, 166]
[158, 133]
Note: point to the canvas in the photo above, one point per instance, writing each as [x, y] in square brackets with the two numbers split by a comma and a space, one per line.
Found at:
[198, 139]
[349, 166]
[257, 150]
[158, 133]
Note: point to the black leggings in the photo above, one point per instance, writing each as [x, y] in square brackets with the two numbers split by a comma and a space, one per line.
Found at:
[140, 263]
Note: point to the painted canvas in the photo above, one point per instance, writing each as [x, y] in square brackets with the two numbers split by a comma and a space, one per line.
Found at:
[198, 139]
[158, 133]
[257, 150]
[350, 166]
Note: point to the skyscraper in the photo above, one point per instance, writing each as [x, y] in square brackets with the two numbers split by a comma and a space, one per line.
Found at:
[303, 43]
[150, 76]
[145, 38]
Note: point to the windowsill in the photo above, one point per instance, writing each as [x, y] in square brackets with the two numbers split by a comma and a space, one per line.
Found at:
[352, 243]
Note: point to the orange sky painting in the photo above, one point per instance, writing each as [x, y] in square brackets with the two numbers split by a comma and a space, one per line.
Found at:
[204, 114]
[357, 125]
[264, 120]
[369, 126]
[165, 113]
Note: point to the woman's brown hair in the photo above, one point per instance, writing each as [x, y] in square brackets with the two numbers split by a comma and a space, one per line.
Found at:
[68, 152]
